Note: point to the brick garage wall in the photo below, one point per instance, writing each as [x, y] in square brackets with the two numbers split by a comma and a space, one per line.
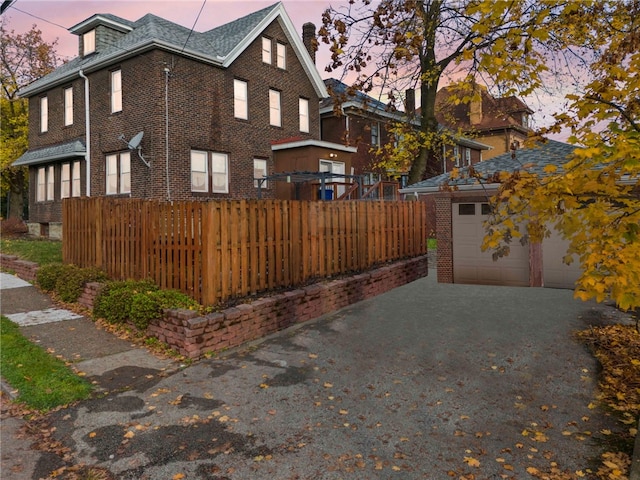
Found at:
[444, 237]
[193, 335]
[22, 268]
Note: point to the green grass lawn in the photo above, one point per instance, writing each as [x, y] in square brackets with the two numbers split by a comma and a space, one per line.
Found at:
[42, 252]
[42, 381]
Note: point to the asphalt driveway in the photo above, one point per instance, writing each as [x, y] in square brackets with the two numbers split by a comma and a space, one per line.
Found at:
[426, 381]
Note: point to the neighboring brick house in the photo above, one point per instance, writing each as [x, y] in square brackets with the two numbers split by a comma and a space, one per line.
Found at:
[150, 109]
[363, 121]
[503, 123]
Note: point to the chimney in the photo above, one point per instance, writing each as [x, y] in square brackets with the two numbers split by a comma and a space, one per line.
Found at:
[475, 110]
[309, 39]
[410, 102]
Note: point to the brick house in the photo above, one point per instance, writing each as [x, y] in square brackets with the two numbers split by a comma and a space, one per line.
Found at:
[503, 123]
[150, 109]
[363, 121]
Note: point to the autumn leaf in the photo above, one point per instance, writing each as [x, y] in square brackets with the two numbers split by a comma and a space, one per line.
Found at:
[472, 462]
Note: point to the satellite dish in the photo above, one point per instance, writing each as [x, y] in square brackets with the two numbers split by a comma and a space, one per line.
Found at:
[135, 141]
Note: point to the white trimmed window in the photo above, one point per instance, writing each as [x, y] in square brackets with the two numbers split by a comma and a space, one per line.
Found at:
[68, 106]
[65, 181]
[41, 192]
[240, 100]
[467, 156]
[209, 172]
[375, 135]
[456, 155]
[275, 117]
[281, 54]
[75, 179]
[116, 91]
[266, 50]
[44, 114]
[89, 42]
[303, 109]
[119, 173]
[199, 172]
[259, 171]
[50, 182]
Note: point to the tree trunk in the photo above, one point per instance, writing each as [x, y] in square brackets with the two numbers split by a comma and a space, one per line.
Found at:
[17, 195]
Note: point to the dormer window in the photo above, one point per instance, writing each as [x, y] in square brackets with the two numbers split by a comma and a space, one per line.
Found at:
[525, 120]
[89, 42]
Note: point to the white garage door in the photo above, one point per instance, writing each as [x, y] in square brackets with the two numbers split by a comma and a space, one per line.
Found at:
[556, 273]
[472, 265]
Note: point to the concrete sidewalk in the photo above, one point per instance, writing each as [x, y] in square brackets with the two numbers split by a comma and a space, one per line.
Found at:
[111, 363]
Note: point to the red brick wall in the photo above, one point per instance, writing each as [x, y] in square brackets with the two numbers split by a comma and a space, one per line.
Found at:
[22, 268]
[193, 335]
[444, 238]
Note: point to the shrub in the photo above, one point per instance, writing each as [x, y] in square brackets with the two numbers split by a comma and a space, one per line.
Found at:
[69, 287]
[13, 226]
[147, 306]
[48, 275]
[115, 300]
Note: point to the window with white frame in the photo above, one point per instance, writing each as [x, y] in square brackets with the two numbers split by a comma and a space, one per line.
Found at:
[44, 114]
[116, 91]
[65, 181]
[209, 172]
[50, 182]
[240, 100]
[456, 155]
[119, 173]
[281, 54]
[75, 179]
[199, 171]
[68, 106]
[259, 171]
[275, 117]
[303, 108]
[266, 50]
[467, 156]
[375, 134]
[89, 42]
[41, 192]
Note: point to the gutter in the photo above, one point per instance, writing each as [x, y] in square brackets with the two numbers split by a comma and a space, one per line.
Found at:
[87, 126]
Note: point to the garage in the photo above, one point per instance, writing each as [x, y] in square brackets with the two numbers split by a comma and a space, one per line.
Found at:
[471, 264]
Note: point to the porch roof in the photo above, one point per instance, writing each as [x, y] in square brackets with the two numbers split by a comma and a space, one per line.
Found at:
[74, 148]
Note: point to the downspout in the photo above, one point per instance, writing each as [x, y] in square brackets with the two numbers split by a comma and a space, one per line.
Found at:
[444, 158]
[87, 126]
[166, 130]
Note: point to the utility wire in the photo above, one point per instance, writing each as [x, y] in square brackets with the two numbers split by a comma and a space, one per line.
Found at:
[39, 18]
[194, 25]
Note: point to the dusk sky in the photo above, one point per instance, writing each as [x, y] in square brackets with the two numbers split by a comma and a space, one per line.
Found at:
[54, 17]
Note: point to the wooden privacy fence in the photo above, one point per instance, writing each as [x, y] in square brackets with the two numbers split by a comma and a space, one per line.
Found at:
[217, 250]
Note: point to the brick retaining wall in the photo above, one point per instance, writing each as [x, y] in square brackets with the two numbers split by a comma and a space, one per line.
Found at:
[24, 269]
[193, 335]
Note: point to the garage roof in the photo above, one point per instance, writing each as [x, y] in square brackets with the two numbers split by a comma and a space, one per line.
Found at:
[534, 160]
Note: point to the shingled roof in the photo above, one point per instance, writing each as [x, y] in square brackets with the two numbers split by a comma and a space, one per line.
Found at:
[496, 113]
[532, 160]
[219, 46]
